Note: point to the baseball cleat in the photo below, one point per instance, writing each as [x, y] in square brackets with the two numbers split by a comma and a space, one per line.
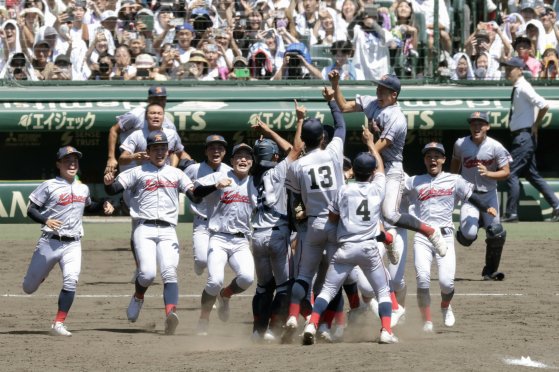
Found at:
[289, 330]
[202, 328]
[223, 307]
[308, 334]
[436, 238]
[269, 336]
[324, 334]
[387, 337]
[59, 329]
[397, 315]
[428, 327]
[256, 337]
[338, 334]
[391, 251]
[448, 316]
[133, 311]
[171, 323]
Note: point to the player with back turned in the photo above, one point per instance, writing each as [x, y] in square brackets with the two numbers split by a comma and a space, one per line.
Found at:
[482, 161]
[58, 205]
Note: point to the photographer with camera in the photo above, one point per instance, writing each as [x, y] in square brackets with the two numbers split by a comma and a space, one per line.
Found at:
[18, 68]
[169, 62]
[550, 64]
[341, 51]
[371, 57]
[297, 64]
[103, 69]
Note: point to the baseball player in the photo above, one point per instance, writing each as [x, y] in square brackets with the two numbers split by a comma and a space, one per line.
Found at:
[131, 121]
[356, 210]
[154, 206]
[216, 148]
[58, 205]
[271, 237]
[434, 195]
[230, 231]
[314, 179]
[482, 161]
[385, 116]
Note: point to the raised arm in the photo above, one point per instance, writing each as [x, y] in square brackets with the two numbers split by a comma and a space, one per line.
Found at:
[345, 106]
[339, 121]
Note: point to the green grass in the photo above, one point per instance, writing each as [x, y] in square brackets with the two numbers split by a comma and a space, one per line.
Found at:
[523, 231]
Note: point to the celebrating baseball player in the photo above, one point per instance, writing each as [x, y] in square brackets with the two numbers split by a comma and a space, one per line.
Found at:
[482, 161]
[58, 205]
[385, 116]
[271, 237]
[154, 205]
[216, 148]
[434, 195]
[356, 210]
[131, 121]
[314, 179]
[230, 231]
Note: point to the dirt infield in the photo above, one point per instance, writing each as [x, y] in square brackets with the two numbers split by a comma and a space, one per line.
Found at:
[494, 320]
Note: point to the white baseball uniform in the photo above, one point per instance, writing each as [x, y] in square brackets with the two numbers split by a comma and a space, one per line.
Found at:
[230, 230]
[65, 202]
[155, 206]
[492, 155]
[434, 199]
[137, 142]
[200, 233]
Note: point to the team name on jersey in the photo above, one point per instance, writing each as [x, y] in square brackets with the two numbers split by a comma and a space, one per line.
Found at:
[65, 199]
[229, 197]
[428, 193]
[470, 162]
[153, 184]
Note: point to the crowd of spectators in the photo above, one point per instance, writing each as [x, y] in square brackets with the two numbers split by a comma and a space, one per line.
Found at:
[268, 39]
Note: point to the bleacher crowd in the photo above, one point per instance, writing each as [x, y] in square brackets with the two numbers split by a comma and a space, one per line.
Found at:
[273, 39]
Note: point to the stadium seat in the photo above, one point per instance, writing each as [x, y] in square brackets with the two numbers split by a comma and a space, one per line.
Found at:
[320, 51]
[321, 62]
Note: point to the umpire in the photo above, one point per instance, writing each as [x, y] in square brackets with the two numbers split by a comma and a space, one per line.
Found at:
[524, 130]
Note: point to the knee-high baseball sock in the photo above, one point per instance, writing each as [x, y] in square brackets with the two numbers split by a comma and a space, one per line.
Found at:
[332, 308]
[170, 296]
[65, 300]
[298, 293]
[401, 295]
[207, 303]
[424, 303]
[394, 300]
[407, 221]
[231, 289]
[445, 299]
[352, 294]
[319, 306]
[385, 314]
[140, 290]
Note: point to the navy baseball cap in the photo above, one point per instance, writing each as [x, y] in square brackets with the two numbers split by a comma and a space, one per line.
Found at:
[67, 150]
[483, 116]
[241, 146]
[215, 138]
[185, 26]
[157, 91]
[433, 146]
[389, 81]
[515, 62]
[312, 130]
[364, 163]
[157, 137]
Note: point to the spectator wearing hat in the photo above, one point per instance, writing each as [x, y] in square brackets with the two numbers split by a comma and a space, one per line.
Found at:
[197, 67]
[341, 51]
[184, 34]
[42, 68]
[62, 69]
[524, 125]
[109, 21]
[240, 70]
[297, 64]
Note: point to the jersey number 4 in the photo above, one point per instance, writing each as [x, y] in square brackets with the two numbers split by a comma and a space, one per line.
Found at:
[325, 172]
[363, 211]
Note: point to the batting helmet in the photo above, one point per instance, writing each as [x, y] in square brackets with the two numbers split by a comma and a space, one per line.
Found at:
[264, 151]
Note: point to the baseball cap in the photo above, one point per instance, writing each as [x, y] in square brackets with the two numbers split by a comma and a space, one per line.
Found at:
[483, 116]
[515, 62]
[157, 91]
[67, 150]
[157, 137]
[49, 31]
[80, 4]
[364, 163]
[433, 146]
[389, 81]
[215, 138]
[108, 14]
[241, 146]
[185, 26]
[41, 42]
[240, 59]
[312, 129]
